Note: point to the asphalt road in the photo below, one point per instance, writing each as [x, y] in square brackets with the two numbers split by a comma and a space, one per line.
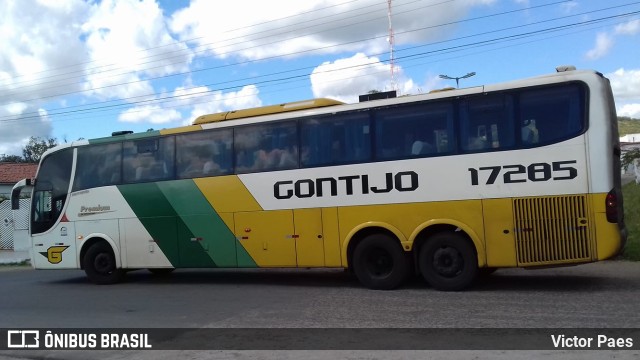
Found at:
[600, 295]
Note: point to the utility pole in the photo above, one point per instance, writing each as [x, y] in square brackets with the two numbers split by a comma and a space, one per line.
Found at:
[391, 43]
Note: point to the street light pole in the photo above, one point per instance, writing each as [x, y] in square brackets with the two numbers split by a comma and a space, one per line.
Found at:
[457, 79]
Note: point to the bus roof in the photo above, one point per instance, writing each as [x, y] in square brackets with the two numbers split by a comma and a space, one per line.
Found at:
[266, 110]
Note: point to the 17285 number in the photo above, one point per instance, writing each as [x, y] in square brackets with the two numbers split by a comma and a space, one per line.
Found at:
[557, 170]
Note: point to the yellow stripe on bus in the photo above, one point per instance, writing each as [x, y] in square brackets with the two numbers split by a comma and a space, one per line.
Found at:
[227, 194]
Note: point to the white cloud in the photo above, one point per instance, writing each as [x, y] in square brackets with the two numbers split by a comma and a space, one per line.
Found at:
[40, 46]
[40, 52]
[604, 42]
[346, 79]
[626, 90]
[205, 102]
[128, 41]
[625, 84]
[279, 27]
[19, 122]
[629, 28]
[149, 114]
[108, 48]
[630, 110]
[199, 99]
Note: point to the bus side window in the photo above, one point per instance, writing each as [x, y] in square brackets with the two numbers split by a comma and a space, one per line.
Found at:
[204, 153]
[413, 131]
[345, 140]
[551, 114]
[98, 165]
[486, 122]
[148, 159]
[266, 147]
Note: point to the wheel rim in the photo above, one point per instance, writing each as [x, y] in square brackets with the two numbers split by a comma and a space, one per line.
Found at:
[448, 262]
[379, 263]
[103, 264]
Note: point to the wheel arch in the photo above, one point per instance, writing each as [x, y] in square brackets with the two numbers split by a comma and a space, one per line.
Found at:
[357, 234]
[94, 239]
[422, 233]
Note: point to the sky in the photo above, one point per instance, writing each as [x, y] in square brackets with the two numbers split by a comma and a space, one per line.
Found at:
[72, 69]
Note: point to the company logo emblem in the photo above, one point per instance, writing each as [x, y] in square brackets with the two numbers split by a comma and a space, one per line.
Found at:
[54, 254]
[93, 210]
[22, 339]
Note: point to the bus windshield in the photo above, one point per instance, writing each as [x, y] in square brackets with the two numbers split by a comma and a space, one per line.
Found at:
[50, 191]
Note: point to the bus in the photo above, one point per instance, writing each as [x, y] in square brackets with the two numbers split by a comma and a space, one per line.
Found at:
[449, 185]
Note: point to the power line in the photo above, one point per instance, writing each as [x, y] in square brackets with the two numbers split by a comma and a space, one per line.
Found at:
[201, 37]
[289, 54]
[283, 79]
[286, 31]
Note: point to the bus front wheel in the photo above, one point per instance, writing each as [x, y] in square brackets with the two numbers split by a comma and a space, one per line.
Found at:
[380, 263]
[447, 261]
[99, 264]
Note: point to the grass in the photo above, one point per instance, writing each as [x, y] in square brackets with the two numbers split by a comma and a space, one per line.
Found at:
[631, 198]
[628, 126]
[20, 264]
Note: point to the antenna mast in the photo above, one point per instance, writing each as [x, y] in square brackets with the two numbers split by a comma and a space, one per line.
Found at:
[391, 41]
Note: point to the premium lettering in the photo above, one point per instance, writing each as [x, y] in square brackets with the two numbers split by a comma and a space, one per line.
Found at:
[346, 185]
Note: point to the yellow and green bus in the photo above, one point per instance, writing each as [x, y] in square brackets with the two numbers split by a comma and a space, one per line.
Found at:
[449, 185]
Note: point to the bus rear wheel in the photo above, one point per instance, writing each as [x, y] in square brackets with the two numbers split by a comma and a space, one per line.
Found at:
[99, 264]
[448, 262]
[380, 263]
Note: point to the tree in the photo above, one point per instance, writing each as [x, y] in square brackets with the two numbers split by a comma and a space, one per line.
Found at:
[36, 147]
[11, 158]
[628, 157]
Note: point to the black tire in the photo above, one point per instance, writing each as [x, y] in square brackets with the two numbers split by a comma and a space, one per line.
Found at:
[380, 263]
[448, 261]
[99, 264]
[161, 271]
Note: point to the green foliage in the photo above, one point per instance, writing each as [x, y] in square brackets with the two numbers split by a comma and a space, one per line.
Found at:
[628, 157]
[631, 196]
[36, 147]
[627, 125]
[11, 158]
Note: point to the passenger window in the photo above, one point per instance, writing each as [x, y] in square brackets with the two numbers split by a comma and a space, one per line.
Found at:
[337, 139]
[551, 114]
[204, 153]
[98, 165]
[148, 160]
[486, 123]
[266, 147]
[414, 131]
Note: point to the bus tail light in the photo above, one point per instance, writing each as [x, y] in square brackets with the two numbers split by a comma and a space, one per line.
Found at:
[611, 206]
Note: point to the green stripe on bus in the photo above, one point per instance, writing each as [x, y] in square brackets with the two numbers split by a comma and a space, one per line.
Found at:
[117, 138]
[158, 216]
[210, 231]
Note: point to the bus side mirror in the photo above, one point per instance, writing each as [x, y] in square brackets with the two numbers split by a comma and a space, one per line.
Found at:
[15, 201]
[15, 193]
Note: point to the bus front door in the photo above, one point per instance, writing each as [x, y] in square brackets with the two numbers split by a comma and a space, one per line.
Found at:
[55, 246]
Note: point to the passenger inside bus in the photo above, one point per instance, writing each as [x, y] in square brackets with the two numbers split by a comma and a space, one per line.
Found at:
[529, 132]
